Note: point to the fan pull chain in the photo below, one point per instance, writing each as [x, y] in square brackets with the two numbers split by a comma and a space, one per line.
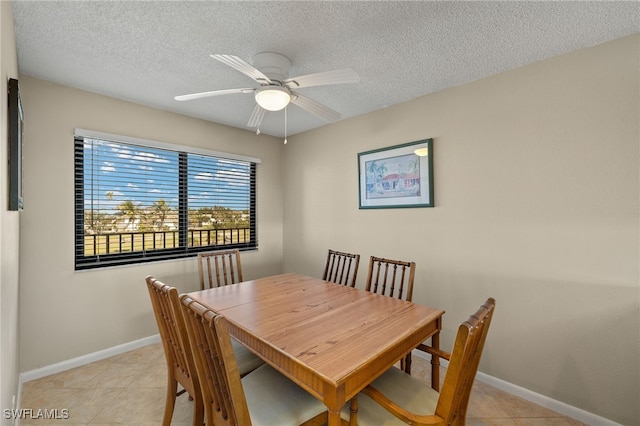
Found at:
[285, 125]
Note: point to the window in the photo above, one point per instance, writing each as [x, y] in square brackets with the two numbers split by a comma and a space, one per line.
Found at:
[139, 201]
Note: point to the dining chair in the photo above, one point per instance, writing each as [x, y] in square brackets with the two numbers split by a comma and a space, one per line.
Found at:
[264, 397]
[173, 333]
[392, 278]
[397, 398]
[341, 268]
[218, 268]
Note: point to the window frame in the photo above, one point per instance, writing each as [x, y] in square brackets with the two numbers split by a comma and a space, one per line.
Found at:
[83, 261]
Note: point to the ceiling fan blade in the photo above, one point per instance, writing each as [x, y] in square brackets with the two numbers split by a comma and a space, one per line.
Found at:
[315, 107]
[244, 67]
[212, 93]
[342, 76]
[256, 117]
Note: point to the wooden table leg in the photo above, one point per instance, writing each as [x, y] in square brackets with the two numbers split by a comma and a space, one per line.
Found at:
[334, 418]
[435, 360]
[353, 411]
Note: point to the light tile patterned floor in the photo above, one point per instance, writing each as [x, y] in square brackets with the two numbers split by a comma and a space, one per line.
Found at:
[129, 389]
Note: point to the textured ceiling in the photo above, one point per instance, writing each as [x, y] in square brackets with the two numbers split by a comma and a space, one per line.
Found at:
[148, 52]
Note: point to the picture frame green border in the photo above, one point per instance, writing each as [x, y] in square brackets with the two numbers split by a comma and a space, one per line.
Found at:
[423, 199]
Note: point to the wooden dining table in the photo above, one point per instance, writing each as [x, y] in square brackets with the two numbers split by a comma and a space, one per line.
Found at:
[330, 339]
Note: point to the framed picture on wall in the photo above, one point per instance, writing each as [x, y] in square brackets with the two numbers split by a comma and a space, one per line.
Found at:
[397, 176]
[16, 123]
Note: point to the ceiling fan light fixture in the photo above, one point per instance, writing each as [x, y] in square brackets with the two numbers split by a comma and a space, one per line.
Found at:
[273, 98]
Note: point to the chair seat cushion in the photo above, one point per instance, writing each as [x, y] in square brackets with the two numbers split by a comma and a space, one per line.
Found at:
[401, 388]
[274, 400]
[247, 361]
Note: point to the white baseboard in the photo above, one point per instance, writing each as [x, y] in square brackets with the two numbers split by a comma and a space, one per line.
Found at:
[539, 399]
[48, 370]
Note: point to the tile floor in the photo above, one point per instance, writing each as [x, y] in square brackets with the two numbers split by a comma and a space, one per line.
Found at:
[128, 389]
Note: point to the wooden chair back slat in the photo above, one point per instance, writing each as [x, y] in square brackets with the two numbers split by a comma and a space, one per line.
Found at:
[392, 278]
[215, 361]
[219, 268]
[341, 268]
[463, 364]
[174, 337]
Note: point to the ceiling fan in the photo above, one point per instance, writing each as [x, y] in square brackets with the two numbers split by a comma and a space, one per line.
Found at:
[271, 71]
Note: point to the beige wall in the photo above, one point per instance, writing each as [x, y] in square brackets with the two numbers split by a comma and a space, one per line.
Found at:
[9, 227]
[537, 205]
[66, 314]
